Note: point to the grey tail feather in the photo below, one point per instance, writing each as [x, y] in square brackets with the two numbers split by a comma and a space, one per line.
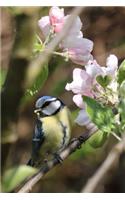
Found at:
[30, 163]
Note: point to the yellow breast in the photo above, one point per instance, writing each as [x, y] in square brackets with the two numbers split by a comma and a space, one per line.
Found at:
[56, 136]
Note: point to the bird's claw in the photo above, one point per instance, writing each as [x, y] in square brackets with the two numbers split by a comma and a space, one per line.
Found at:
[58, 157]
[73, 140]
[81, 140]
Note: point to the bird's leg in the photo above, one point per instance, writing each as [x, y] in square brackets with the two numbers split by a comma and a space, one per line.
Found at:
[80, 139]
[58, 157]
[73, 140]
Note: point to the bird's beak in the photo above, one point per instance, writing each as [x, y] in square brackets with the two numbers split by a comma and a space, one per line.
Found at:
[37, 110]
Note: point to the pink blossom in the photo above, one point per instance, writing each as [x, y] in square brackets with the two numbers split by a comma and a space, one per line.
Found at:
[44, 24]
[77, 42]
[78, 100]
[81, 84]
[78, 57]
[93, 69]
[76, 27]
[55, 20]
[112, 65]
[76, 47]
[56, 16]
[79, 49]
[82, 118]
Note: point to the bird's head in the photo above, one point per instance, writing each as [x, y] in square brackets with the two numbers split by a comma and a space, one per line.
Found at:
[48, 105]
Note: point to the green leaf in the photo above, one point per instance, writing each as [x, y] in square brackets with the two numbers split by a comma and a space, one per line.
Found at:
[122, 90]
[98, 139]
[36, 81]
[100, 115]
[121, 72]
[14, 176]
[103, 81]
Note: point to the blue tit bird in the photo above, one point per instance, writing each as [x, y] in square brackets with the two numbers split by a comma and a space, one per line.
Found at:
[52, 130]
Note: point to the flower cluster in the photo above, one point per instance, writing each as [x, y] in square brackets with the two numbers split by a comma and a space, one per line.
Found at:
[96, 82]
[74, 46]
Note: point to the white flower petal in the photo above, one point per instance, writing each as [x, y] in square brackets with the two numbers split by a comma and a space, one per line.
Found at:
[67, 87]
[76, 27]
[44, 24]
[78, 101]
[112, 61]
[82, 118]
[93, 69]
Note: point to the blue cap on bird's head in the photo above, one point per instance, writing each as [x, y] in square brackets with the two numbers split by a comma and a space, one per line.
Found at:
[42, 100]
[48, 105]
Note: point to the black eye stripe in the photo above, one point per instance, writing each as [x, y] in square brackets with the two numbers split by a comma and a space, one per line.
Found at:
[47, 103]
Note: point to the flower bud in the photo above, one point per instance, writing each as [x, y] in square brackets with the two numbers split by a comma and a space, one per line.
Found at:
[44, 25]
[56, 16]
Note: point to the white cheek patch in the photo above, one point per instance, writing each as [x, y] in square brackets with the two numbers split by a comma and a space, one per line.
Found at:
[51, 108]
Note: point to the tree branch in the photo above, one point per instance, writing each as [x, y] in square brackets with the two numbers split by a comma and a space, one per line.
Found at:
[73, 146]
[94, 181]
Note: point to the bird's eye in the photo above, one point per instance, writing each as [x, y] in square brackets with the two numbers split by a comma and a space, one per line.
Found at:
[45, 104]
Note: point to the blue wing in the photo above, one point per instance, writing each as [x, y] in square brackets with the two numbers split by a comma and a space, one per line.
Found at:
[37, 140]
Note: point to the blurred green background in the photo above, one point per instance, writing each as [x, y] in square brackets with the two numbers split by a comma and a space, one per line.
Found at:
[20, 86]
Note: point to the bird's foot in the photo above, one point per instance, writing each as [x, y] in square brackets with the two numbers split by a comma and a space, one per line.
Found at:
[73, 140]
[81, 140]
[58, 157]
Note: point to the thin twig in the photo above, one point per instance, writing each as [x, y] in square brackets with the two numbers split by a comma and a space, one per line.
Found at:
[73, 146]
[116, 136]
[94, 181]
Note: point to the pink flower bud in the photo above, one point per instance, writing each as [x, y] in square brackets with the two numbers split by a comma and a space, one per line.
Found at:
[56, 16]
[44, 25]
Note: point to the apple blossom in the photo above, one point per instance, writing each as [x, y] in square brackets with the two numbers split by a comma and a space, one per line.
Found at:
[81, 84]
[85, 83]
[76, 27]
[78, 100]
[82, 118]
[54, 21]
[77, 56]
[78, 49]
[93, 69]
[56, 16]
[44, 24]
[112, 65]
[74, 46]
